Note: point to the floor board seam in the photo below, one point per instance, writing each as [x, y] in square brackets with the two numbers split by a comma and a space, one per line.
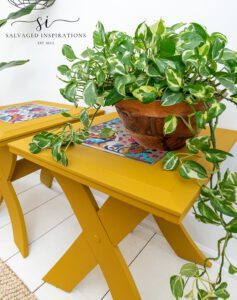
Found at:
[26, 213]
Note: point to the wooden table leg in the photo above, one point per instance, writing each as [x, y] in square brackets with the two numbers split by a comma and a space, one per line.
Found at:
[46, 178]
[181, 241]
[106, 254]
[119, 219]
[8, 160]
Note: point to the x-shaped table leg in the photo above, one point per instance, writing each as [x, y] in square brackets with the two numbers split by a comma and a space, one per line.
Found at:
[112, 222]
[8, 160]
[94, 246]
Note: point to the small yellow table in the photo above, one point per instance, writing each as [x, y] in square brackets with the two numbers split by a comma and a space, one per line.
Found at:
[18, 121]
[135, 190]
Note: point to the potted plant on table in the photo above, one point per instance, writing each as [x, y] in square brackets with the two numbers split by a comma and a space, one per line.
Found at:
[167, 84]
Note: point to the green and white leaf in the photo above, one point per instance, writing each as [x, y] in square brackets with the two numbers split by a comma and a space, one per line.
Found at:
[192, 170]
[90, 94]
[198, 143]
[170, 161]
[189, 270]
[145, 93]
[174, 79]
[69, 53]
[177, 286]
[171, 98]
[170, 124]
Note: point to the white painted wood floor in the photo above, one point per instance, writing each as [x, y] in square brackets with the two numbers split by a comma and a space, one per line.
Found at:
[52, 228]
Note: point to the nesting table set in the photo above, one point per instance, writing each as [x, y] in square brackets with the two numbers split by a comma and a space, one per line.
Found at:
[134, 190]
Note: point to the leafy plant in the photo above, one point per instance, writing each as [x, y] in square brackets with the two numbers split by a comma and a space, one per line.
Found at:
[180, 63]
[12, 16]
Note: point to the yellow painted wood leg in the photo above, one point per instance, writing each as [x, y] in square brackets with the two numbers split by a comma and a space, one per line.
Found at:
[75, 264]
[1, 198]
[108, 256]
[119, 219]
[181, 242]
[46, 178]
[8, 160]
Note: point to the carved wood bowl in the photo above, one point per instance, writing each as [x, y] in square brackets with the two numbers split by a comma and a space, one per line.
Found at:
[145, 123]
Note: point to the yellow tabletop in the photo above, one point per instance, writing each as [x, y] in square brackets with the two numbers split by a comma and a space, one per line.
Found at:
[148, 187]
[10, 132]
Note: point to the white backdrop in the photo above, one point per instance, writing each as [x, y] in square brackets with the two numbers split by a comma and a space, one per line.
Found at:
[37, 79]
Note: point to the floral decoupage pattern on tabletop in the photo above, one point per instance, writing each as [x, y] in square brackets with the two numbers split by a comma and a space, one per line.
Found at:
[27, 112]
[120, 143]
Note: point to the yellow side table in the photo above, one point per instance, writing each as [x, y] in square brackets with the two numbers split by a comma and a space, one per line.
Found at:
[18, 121]
[135, 190]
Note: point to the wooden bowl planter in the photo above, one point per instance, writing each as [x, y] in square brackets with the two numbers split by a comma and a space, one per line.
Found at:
[145, 123]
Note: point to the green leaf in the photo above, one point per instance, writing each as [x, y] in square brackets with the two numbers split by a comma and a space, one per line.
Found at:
[229, 55]
[189, 270]
[222, 293]
[18, 14]
[208, 212]
[190, 295]
[201, 119]
[201, 91]
[198, 143]
[170, 161]
[99, 35]
[84, 118]
[143, 35]
[170, 124]
[200, 30]
[192, 170]
[106, 133]
[66, 114]
[113, 98]
[171, 98]
[215, 110]
[167, 47]
[121, 81]
[89, 93]
[217, 48]
[145, 93]
[116, 66]
[177, 286]
[232, 269]
[160, 27]
[224, 208]
[216, 156]
[202, 294]
[70, 91]
[69, 53]
[227, 82]
[64, 159]
[5, 65]
[64, 70]
[174, 79]
[232, 226]
[35, 149]
[189, 40]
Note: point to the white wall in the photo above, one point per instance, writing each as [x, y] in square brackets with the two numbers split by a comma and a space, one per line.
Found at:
[37, 80]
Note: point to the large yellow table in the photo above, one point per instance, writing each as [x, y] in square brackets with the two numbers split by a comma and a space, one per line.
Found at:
[135, 190]
[10, 170]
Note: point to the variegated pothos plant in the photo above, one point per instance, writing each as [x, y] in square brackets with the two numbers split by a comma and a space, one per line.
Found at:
[172, 64]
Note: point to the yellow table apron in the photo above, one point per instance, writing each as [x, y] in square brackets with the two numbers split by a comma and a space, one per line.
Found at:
[12, 169]
[135, 190]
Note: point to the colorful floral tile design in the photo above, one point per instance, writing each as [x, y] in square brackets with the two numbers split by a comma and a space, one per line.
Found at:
[27, 112]
[121, 143]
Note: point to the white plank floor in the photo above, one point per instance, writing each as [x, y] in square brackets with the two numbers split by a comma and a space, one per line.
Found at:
[52, 228]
